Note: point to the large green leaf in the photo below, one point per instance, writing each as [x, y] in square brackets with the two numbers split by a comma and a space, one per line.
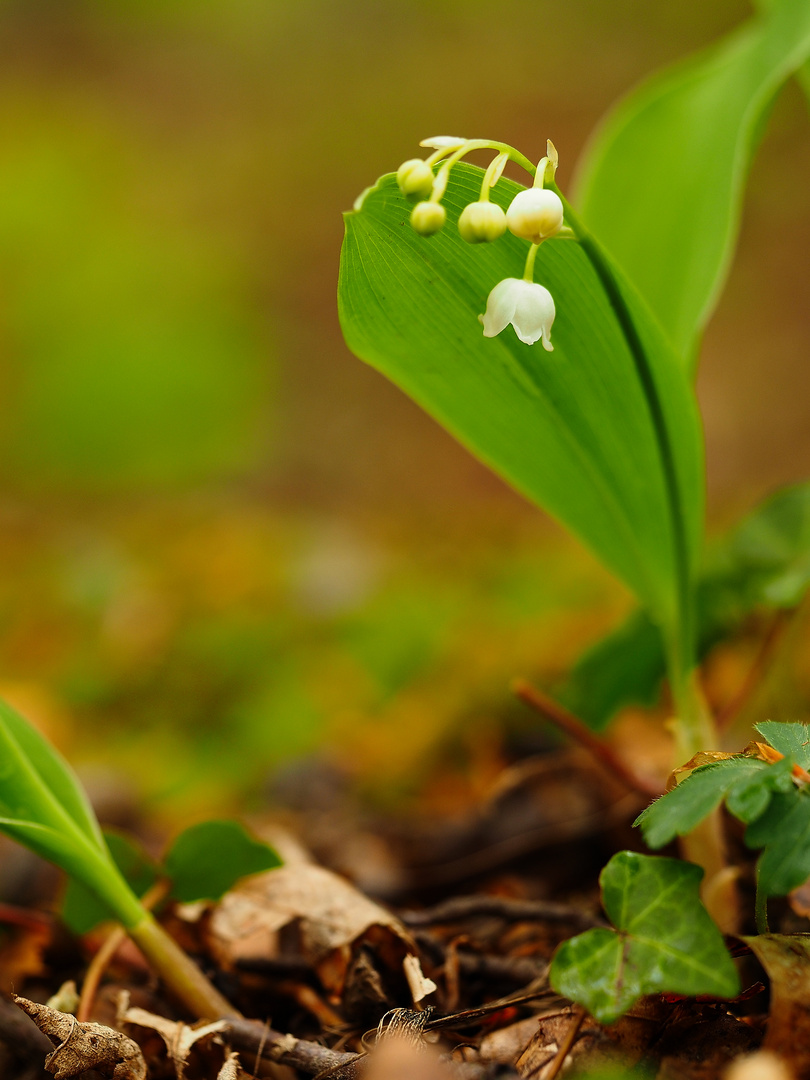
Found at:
[664, 941]
[662, 182]
[607, 442]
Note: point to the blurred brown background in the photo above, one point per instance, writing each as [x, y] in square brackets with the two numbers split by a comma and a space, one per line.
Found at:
[225, 542]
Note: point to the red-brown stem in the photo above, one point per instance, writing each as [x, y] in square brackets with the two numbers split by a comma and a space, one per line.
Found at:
[561, 718]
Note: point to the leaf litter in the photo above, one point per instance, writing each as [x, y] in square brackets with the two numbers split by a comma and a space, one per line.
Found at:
[444, 979]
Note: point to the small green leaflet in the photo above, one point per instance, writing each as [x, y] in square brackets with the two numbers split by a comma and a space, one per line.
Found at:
[783, 832]
[573, 430]
[681, 810]
[762, 795]
[207, 859]
[663, 181]
[664, 941]
[792, 739]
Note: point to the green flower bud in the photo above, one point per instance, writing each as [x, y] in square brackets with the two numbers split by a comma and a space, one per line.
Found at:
[415, 177]
[428, 217]
[480, 222]
[535, 214]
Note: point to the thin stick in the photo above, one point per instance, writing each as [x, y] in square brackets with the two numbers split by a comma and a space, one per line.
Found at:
[566, 1044]
[575, 729]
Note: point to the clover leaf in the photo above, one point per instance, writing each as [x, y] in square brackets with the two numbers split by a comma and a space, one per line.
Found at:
[664, 941]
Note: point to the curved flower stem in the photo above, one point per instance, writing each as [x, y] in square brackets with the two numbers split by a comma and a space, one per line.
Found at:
[528, 272]
[440, 183]
[492, 175]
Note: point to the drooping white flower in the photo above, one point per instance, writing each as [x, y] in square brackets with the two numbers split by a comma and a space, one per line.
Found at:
[529, 307]
[535, 214]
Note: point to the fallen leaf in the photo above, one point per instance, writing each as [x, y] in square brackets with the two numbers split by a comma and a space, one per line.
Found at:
[332, 917]
[81, 1047]
[786, 959]
[505, 1045]
[178, 1037]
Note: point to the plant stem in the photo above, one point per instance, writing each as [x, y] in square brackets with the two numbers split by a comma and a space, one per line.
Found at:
[179, 972]
[761, 909]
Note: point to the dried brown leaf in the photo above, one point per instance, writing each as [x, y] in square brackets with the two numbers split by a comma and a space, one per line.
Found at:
[333, 920]
[786, 959]
[178, 1037]
[80, 1047]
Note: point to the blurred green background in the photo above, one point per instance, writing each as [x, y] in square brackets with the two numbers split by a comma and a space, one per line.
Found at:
[225, 542]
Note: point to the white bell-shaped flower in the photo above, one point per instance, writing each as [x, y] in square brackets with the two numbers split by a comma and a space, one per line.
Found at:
[529, 307]
[535, 214]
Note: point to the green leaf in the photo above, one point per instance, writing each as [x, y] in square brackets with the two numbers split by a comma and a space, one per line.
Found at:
[682, 809]
[783, 832]
[764, 561]
[769, 552]
[662, 183]
[666, 941]
[82, 910]
[206, 860]
[574, 430]
[43, 806]
[32, 773]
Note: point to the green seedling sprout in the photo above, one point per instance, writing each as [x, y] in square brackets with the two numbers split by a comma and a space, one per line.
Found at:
[43, 806]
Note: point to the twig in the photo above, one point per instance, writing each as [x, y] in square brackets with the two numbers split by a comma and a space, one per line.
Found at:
[464, 907]
[503, 851]
[575, 729]
[565, 1046]
[311, 1058]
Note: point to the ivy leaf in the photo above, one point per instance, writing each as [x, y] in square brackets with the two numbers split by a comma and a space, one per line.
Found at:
[665, 941]
[583, 431]
[662, 184]
[206, 860]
